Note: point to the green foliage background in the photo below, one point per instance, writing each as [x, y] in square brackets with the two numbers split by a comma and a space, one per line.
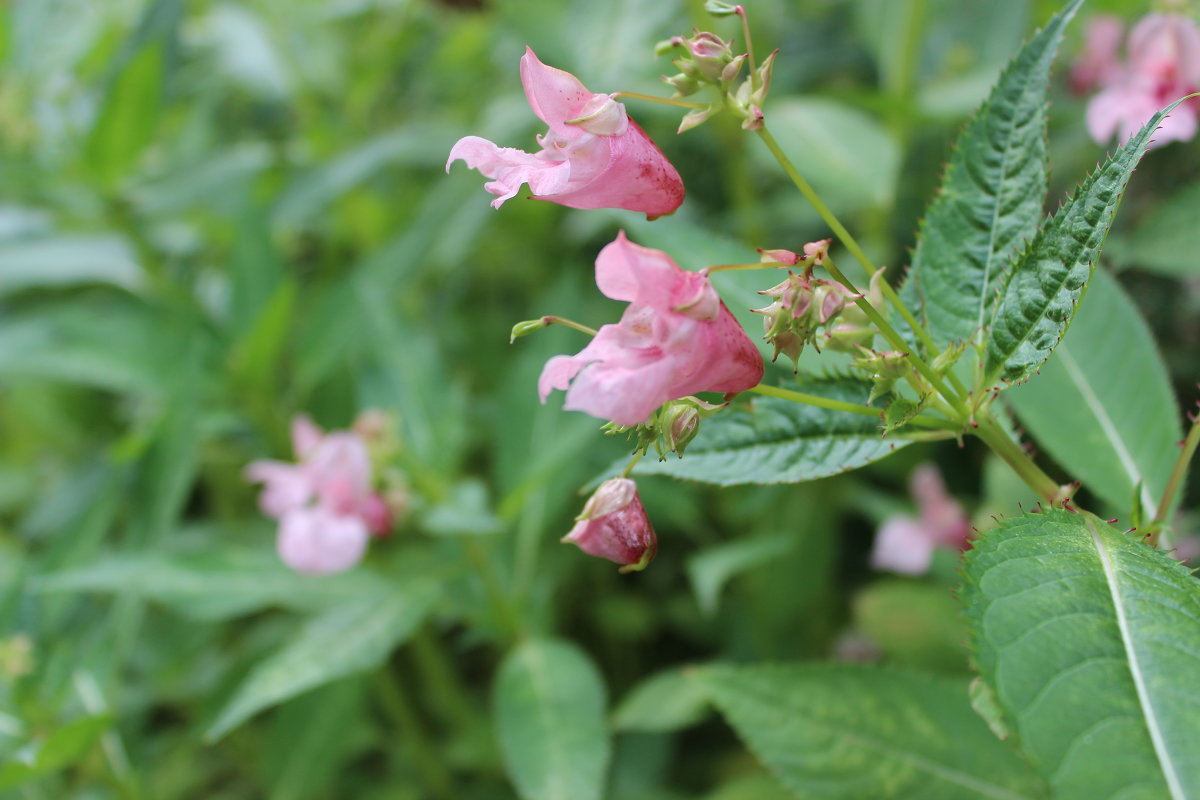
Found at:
[215, 215]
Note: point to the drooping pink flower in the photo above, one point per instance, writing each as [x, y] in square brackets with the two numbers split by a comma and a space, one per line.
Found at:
[614, 525]
[593, 155]
[324, 501]
[1162, 65]
[905, 545]
[675, 339]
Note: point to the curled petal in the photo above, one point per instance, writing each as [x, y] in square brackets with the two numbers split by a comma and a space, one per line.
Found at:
[510, 168]
[285, 486]
[644, 276]
[318, 542]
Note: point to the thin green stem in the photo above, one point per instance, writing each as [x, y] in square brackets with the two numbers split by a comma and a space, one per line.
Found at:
[632, 463]
[811, 195]
[1016, 457]
[666, 101]
[424, 756]
[752, 265]
[1178, 473]
[897, 341]
[755, 81]
[922, 420]
[569, 323]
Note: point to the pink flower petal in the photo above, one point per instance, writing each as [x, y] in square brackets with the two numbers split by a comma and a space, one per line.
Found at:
[901, 546]
[510, 168]
[554, 95]
[318, 542]
[285, 486]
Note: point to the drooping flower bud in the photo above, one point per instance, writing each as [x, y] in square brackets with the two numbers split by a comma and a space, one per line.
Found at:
[679, 422]
[614, 525]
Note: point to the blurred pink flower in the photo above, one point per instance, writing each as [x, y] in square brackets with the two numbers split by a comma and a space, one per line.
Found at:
[675, 339]
[1098, 65]
[1162, 65]
[593, 156]
[614, 525]
[324, 503]
[905, 545]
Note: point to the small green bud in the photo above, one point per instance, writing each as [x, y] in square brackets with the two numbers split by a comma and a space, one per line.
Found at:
[527, 327]
[720, 9]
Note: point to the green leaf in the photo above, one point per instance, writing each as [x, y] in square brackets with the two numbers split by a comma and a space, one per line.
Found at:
[347, 639]
[549, 712]
[129, 115]
[215, 585]
[1090, 642]
[666, 701]
[1050, 277]
[990, 199]
[1103, 404]
[843, 732]
[780, 441]
[709, 570]
[60, 749]
[67, 261]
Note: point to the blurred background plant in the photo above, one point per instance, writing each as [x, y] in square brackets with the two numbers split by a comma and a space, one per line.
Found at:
[216, 215]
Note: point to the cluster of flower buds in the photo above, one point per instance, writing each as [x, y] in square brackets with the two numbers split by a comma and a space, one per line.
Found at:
[614, 525]
[707, 60]
[670, 429]
[884, 368]
[803, 306]
[335, 497]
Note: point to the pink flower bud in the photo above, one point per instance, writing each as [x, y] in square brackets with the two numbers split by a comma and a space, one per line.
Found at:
[614, 525]
[593, 156]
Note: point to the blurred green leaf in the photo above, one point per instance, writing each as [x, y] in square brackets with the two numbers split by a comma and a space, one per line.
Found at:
[1083, 634]
[669, 700]
[1046, 284]
[67, 261]
[709, 570]
[1166, 240]
[844, 732]
[990, 199]
[62, 748]
[848, 156]
[1103, 406]
[348, 639]
[312, 737]
[548, 705]
[913, 623]
[780, 441]
[128, 117]
[222, 583]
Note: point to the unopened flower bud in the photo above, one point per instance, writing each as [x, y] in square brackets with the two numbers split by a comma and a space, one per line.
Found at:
[803, 306]
[815, 252]
[683, 84]
[759, 95]
[754, 118]
[679, 421]
[696, 116]
[721, 9]
[884, 368]
[730, 72]
[614, 525]
[780, 257]
[527, 327]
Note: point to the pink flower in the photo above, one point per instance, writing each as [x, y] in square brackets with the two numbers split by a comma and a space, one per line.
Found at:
[1163, 65]
[614, 525]
[593, 156]
[675, 339]
[906, 545]
[324, 503]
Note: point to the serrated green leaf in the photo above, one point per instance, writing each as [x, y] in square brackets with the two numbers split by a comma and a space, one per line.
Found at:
[1103, 404]
[1090, 642]
[843, 732]
[1048, 279]
[347, 639]
[780, 441]
[991, 196]
[549, 711]
[666, 701]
